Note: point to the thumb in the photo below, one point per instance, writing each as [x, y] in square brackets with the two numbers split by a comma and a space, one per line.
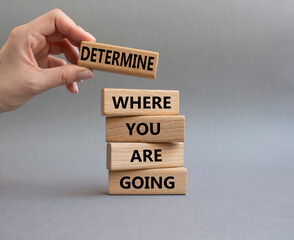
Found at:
[64, 75]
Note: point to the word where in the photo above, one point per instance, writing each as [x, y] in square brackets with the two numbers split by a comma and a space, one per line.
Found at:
[142, 102]
[116, 58]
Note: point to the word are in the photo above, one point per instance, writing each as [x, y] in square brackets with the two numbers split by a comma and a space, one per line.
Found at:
[146, 154]
[147, 182]
[144, 102]
[123, 59]
[143, 128]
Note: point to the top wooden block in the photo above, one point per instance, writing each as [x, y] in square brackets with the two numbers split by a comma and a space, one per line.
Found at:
[118, 59]
[138, 102]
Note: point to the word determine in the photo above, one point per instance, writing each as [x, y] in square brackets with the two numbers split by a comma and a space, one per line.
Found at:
[118, 59]
[123, 59]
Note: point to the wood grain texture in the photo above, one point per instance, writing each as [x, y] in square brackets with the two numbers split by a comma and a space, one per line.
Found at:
[135, 102]
[130, 156]
[170, 181]
[159, 129]
[118, 59]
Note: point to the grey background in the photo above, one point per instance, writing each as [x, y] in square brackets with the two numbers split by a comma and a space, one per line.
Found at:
[232, 61]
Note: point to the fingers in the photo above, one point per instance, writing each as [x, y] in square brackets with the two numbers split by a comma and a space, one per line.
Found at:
[63, 75]
[55, 62]
[70, 52]
[55, 37]
[58, 24]
[73, 88]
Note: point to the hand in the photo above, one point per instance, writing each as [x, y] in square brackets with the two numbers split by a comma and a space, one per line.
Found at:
[28, 69]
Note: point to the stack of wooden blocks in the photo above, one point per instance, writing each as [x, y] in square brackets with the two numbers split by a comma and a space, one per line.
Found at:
[145, 135]
[144, 131]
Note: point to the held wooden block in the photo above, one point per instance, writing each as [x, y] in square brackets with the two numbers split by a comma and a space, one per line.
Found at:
[118, 102]
[126, 156]
[145, 129]
[118, 59]
[151, 181]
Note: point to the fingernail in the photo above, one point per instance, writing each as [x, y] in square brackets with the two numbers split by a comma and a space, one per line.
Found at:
[76, 88]
[85, 75]
[92, 36]
[80, 81]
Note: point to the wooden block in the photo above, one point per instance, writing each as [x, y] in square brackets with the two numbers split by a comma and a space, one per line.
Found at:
[151, 181]
[145, 129]
[118, 102]
[127, 156]
[118, 59]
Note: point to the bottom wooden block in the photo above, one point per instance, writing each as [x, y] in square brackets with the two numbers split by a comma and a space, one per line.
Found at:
[150, 181]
